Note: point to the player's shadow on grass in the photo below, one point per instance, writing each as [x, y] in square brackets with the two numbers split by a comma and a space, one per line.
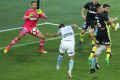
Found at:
[22, 58]
[95, 78]
[52, 49]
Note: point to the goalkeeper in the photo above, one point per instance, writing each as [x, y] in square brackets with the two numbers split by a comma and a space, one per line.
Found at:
[31, 18]
[102, 36]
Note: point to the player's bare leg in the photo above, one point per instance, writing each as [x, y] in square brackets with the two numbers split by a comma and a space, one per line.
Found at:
[13, 42]
[71, 63]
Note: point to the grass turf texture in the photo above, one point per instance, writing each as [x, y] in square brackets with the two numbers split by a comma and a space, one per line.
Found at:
[24, 63]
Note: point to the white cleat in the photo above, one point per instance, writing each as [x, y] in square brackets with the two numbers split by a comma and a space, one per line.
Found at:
[69, 75]
[57, 67]
[117, 26]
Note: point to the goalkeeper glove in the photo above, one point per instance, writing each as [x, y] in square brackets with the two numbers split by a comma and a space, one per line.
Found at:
[39, 11]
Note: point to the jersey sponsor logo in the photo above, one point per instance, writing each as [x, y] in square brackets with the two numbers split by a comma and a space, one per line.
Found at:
[68, 34]
[33, 19]
[93, 12]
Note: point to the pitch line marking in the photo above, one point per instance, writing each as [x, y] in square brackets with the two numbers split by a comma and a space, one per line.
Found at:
[21, 27]
[35, 42]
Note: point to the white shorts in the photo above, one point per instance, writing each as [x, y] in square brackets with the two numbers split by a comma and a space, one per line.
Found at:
[100, 49]
[67, 46]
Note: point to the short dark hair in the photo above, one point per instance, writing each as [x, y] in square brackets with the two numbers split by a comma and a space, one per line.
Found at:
[61, 25]
[33, 2]
[98, 6]
[106, 5]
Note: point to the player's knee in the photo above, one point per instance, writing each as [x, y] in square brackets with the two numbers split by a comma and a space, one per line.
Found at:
[83, 31]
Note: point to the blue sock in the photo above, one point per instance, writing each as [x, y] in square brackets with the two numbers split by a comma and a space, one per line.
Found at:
[93, 63]
[71, 63]
[59, 60]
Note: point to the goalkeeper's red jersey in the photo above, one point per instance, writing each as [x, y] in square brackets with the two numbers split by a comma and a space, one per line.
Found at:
[31, 22]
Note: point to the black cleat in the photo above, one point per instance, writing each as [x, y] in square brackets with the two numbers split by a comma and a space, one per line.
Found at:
[92, 71]
[97, 66]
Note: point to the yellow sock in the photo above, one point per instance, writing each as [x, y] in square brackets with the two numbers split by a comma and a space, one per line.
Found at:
[91, 55]
[93, 52]
[81, 37]
[113, 26]
[108, 51]
[94, 49]
[108, 56]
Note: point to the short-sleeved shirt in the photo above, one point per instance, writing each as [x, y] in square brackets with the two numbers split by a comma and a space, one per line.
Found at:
[31, 23]
[92, 10]
[101, 20]
[67, 33]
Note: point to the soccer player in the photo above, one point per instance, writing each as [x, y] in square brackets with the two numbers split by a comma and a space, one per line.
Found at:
[114, 26]
[89, 19]
[31, 18]
[67, 44]
[106, 8]
[102, 37]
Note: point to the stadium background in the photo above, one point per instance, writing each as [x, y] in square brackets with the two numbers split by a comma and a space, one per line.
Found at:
[24, 63]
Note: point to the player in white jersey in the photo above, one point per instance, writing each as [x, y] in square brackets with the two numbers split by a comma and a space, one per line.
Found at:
[67, 44]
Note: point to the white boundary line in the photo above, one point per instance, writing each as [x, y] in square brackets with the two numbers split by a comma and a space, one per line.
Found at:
[31, 42]
[36, 42]
[21, 27]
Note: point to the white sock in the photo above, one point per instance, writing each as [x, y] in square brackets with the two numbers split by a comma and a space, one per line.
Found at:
[71, 63]
[59, 60]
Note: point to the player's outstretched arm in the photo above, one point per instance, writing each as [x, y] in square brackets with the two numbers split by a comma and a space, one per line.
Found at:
[83, 14]
[74, 26]
[52, 35]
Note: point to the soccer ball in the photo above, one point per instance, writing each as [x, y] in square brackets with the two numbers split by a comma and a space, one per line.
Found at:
[117, 26]
[34, 31]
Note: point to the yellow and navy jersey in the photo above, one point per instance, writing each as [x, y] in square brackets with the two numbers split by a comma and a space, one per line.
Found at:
[92, 10]
[101, 20]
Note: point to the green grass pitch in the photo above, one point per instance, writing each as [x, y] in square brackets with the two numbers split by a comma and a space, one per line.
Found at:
[24, 63]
